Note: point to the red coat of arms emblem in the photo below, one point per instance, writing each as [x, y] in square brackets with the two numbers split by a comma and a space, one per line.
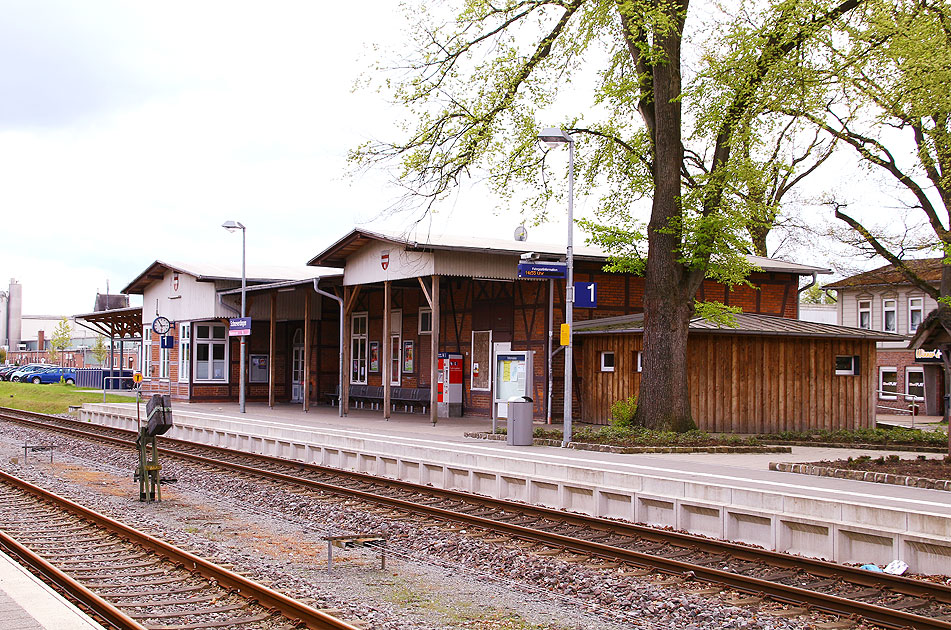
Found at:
[385, 260]
[175, 283]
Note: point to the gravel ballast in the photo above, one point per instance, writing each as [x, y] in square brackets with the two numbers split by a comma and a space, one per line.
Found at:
[435, 578]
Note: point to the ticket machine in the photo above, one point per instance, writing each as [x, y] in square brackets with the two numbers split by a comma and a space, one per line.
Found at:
[449, 385]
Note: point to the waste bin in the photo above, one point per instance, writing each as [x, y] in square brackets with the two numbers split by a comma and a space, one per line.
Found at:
[519, 421]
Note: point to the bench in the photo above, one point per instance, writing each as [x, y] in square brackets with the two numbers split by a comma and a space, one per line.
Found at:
[408, 397]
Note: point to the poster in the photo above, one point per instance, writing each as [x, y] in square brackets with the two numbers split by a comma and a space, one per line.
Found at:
[408, 357]
[374, 356]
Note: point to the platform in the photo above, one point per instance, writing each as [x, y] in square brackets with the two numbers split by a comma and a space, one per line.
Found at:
[728, 496]
[26, 603]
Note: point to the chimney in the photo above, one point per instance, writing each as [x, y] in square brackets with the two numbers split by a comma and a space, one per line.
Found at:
[40, 341]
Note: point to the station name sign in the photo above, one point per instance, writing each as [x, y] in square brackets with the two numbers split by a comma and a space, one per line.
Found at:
[927, 356]
[542, 269]
[239, 326]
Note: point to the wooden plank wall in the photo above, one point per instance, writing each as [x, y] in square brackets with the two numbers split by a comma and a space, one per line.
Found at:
[746, 384]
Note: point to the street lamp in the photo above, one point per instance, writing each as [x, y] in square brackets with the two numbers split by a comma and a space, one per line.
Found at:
[552, 138]
[231, 226]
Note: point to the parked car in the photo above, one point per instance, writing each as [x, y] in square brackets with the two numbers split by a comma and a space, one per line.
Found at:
[6, 370]
[54, 374]
[18, 374]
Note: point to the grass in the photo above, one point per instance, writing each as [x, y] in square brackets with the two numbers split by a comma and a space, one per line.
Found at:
[50, 398]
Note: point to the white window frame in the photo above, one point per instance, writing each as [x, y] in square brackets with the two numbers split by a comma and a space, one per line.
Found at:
[395, 340]
[865, 310]
[889, 305]
[912, 307]
[165, 363]
[912, 369]
[640, 366]
[850, 371]
[147, 352]
[422, 330]
[881, 384]
[357, 337]
[604, 366]
[184, 351]
[211, 342]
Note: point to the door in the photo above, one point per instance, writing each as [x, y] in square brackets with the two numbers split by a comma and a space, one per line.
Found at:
[297, 367]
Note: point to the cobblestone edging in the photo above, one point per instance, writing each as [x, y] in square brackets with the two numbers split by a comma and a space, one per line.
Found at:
[862, 475]
[869, 447]
[607, 448]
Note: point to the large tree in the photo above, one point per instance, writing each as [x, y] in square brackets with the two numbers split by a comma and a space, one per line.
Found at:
[894, 110]
[480, 86]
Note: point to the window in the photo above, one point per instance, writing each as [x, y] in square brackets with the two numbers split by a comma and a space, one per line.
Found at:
[358, 349]
[846, 365]
[888, 383]
[184, 352]
[147, 352]
[396, 348]
[425, 321]
[889, 316]
[916, 308]
[211, 349]
[164, 362]
[865, 314]
[915, 382]
[607, 361]
[639, 366]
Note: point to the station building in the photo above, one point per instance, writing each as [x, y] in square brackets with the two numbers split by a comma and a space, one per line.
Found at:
[402, 302]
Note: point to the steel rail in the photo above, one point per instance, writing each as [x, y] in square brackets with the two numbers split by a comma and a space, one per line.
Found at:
[292, 609]
[887, 617]
[68, 585]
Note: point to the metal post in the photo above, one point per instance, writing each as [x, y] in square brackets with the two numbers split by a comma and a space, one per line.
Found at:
[551, 334]
[243, 314]
[569, 291]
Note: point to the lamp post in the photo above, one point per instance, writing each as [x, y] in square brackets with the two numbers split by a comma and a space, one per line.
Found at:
[552, 138]
[231, 226]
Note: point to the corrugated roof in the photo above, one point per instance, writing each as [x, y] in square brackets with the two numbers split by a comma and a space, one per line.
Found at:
[929, 269]
[747, 324]
[209, 272]
[286, 283]
[336, 254]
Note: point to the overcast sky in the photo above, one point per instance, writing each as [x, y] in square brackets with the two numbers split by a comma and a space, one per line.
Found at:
[129, 131]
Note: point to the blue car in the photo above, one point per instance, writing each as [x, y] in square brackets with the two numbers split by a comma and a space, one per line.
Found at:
[54, 374]
[18, 375]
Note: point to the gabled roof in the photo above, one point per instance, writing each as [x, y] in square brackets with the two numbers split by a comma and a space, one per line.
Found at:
[746, 324]
[929, 269]
[934, 331]
[209, 272]
[336, 255]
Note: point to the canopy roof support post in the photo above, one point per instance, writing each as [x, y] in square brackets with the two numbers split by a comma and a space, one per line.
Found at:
[387, 347]
[434, 353]
[272, 349]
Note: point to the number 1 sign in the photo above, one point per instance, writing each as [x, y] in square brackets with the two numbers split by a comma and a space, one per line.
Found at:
[586, 294]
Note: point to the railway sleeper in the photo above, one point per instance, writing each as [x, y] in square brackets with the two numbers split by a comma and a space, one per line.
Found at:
[188, 613]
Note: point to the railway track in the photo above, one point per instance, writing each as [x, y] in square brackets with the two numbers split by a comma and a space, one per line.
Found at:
[696, 564]
[132, 581]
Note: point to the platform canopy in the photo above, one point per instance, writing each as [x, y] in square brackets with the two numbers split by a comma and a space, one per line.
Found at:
[121, 323]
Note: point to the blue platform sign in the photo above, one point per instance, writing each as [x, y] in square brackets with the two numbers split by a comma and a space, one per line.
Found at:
[542, 269]
[167, 342]
[586, 294]
[239, 326]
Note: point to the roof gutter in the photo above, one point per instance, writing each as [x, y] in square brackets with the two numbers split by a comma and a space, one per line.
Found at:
[810, 285]
[339, 301]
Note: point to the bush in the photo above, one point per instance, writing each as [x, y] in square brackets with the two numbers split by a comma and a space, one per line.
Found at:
[895, 435]
[622, 412]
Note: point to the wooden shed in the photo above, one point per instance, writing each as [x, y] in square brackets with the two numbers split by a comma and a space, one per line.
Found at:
[768, 374]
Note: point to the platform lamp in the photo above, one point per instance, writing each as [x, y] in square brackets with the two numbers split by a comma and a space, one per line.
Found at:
[553, 137]
[231, 226]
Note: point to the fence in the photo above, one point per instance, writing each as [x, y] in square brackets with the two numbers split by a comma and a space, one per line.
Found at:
[94, 377]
